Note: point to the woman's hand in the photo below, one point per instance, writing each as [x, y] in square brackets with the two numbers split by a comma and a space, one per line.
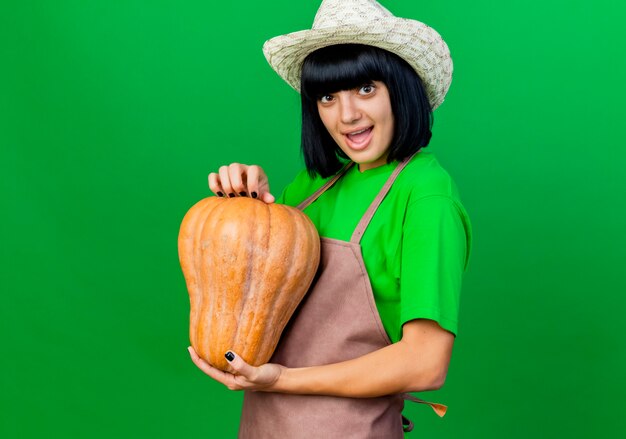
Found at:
[237, 180]
[245, 376]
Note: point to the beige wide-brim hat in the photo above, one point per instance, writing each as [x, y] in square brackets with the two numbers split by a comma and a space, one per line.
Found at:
[365, 22]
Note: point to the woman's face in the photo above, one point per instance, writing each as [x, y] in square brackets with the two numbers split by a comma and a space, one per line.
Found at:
[361, 122]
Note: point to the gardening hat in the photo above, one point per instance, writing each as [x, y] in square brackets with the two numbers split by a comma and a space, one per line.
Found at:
[365, 22]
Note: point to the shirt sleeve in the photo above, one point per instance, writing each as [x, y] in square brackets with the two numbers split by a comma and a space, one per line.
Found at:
[435, 252]
[289, 194]
[299, 189]
[281, 198]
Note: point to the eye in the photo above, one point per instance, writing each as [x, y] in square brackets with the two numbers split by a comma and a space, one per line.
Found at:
[325, 99]
[367, 89]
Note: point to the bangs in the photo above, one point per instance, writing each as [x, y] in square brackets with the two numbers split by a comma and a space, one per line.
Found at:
[339, 67]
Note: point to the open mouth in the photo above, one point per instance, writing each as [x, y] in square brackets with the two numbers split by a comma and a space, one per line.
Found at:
[359, 139]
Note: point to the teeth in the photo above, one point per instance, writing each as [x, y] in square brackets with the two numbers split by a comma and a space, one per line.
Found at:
[358, 132]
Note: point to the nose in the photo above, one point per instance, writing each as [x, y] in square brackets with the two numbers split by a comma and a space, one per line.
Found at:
[349, 110]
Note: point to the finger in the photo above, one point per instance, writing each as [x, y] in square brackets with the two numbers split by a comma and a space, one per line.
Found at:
[225, 180]
[268, 198]
[240, 367]
[214, 184]
[218, 375]
[252, 181]
[258, 184]
[236, 173]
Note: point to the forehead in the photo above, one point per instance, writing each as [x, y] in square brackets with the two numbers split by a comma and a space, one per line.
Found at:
[322, 76]
[379, 85]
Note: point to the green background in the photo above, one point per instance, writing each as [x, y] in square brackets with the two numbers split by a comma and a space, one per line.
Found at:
[112, 113]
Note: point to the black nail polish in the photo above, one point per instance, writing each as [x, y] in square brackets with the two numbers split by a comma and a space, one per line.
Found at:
[243, 194]
[254, 194]
[229, 356]
[231, 195]
[219, 194]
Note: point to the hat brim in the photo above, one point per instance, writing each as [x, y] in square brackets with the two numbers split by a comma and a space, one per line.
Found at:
[418, 44]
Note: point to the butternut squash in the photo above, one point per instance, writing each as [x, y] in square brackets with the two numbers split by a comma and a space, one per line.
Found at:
[247, 266]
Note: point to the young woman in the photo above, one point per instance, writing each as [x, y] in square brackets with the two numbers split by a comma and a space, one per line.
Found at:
[381, 318]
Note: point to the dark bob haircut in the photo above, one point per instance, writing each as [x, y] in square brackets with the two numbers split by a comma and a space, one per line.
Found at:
[345, 67]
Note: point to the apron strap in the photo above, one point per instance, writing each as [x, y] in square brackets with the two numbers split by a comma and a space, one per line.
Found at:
[440, 409]
[407, 424]
[369, 214]
[324, 188]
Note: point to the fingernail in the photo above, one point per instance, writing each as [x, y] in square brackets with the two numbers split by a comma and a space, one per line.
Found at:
[219, 194]
[231, 195]
[229, 356]
[243, 194]
[254, 194]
